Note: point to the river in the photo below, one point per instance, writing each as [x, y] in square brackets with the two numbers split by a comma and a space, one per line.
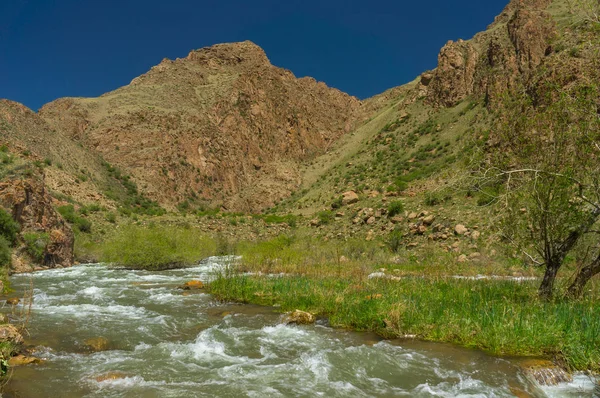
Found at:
[161, 341]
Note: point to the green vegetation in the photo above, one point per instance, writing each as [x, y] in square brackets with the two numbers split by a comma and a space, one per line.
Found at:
[503, 318]
[8, 227]
[156, 247]
[4, 252]
[36, 244]
[69, 214]
[394, 208]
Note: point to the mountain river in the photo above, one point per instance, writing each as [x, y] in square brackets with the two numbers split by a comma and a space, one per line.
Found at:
[159, 341]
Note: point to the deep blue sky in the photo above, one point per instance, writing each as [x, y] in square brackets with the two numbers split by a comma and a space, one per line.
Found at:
[57, 48]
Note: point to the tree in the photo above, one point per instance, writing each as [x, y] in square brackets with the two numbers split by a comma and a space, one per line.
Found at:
[548, 159]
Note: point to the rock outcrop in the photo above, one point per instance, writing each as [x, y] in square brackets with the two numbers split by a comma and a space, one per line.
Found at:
[493, 61]
[30, 204]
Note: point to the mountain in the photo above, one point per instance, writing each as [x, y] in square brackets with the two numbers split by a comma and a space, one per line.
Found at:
[225, 129]
[222, 126]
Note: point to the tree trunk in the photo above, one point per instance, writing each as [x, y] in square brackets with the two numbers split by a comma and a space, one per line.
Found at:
[547, 286]
[583, 277]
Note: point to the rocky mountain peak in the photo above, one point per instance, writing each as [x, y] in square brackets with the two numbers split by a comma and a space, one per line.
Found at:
[230, 54]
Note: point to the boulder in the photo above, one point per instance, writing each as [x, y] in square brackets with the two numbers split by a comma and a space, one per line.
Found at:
[298, 317]
[349, 198]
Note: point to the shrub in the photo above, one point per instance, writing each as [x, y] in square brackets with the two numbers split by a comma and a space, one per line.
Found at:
[394, 208]
[395, 239]
[337, 203]
[8, 227]
[35, 245]
[325, 217]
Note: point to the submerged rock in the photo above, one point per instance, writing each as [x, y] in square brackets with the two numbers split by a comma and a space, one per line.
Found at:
[110, 376]
[299, 318]
[96, 344]
[192, 285]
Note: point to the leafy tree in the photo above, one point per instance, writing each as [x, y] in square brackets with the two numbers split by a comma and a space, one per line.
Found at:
[549, 162]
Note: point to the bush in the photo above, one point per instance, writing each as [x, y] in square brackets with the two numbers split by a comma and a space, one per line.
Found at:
[325, 217]
[35, 245]
[4, 252]
[394, 208]
[337, 203]
[395, 240]
[68, 213]
[157, 247]
[8, 227]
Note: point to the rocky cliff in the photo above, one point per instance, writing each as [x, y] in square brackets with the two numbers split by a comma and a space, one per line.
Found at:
[499, 59]
[222, 126]
[45, 238]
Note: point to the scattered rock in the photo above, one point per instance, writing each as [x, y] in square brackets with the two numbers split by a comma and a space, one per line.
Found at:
[412, 216]
[349, 198]
[371, 220]
[397, 219]
[474, 256]
[475, 235]
[192, 285]
[299, 318]
[462, 258]
[96, 344]
[9, 333]
[377, 275]
[460, 229]
[421, 229]
[428, 220]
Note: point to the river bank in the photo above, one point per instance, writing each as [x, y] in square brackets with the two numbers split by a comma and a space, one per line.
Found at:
[501, 317]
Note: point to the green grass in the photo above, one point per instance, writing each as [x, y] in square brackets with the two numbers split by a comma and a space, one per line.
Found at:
[500, 317]
[156, 247]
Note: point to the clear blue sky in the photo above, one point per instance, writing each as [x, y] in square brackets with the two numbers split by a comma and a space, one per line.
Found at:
[57, 48]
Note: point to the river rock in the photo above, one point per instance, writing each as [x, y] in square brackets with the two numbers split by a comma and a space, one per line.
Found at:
[545, 373]
[96, 344]
[19, 360]
[9, 333]
[299, 318]
[12, 301]
[110, 376]
[192, 285]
